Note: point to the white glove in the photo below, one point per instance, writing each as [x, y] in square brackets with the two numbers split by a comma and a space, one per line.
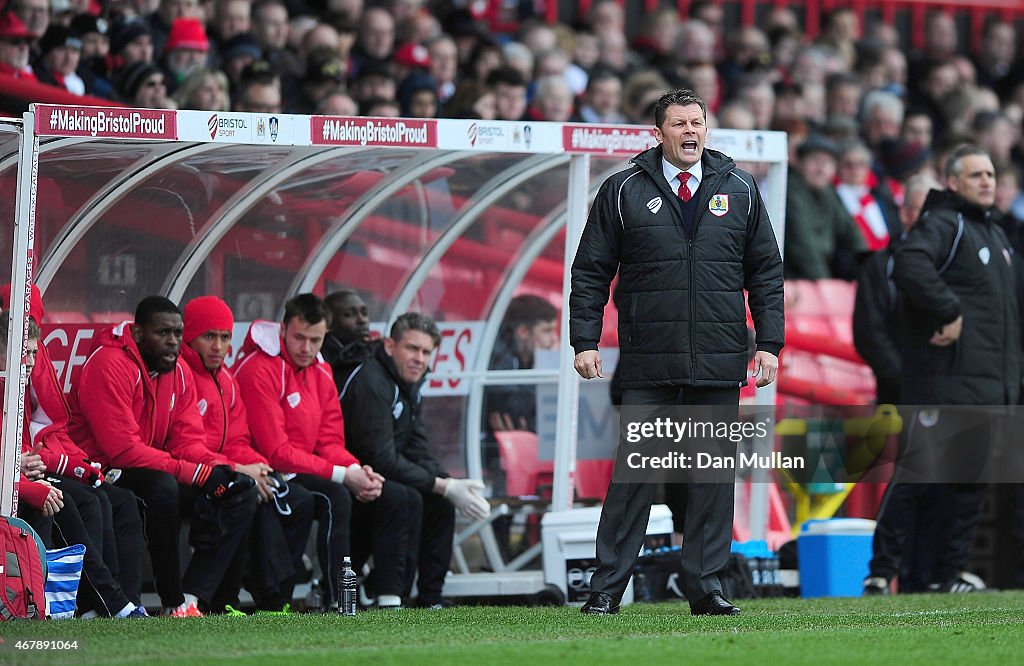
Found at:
[465, 495]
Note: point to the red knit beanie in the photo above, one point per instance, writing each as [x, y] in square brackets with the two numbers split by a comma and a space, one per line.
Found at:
[35, 304]
[187, 33]
[206, 313]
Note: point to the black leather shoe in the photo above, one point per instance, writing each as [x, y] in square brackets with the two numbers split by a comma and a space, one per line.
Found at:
[714, 604]
[600, 603]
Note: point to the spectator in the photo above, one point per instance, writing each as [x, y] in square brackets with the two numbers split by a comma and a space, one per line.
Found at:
[996, 59]
[131, 41]
[821, 238]
[917, 128]
[169, 11]
[270, 30]
[325, 73]
[381, 108]
[603, 99]
[142, 84]
[261, 93]
[417, 96]
[285, 516]
[204, 90]
[337, 104]
[881, 117]
[236, 54]
[374, 81]
[297, 424]
[133, 408]
[472, 100]
[230, 18]
[386, 429]
[444, 65]
[553, 100]
[60, 52]
[409, 59]
[509, 93]
[866, 200]
[33, 14]
[186, 50]
[14, 47]
[842, 94]
[518, 57]
[376, 38]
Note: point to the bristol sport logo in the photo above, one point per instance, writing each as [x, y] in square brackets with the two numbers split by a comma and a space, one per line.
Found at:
[471, 133]
[654, 205]
[212, 126]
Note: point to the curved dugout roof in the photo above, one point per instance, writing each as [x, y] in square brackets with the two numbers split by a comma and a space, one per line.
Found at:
[256, 208]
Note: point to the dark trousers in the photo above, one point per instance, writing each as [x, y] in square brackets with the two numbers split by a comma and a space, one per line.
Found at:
[434, 532]
[382, 528]
[121, 542]
[219, 529]
[85, 519]
[707, 525]
[332, 508]
[276, 544]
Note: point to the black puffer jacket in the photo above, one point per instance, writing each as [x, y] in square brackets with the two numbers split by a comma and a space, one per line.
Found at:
[957, 261]
[383, 425]
[680, 299]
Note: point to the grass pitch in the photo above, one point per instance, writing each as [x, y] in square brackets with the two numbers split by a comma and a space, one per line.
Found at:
[912, 629]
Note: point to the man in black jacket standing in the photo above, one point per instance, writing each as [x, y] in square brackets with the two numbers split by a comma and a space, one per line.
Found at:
[960, 346]
[384, 428]
[687, 232]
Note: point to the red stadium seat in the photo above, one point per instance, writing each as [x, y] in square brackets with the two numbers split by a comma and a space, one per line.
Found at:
[524, 472]
[592, 477]
[837, 296]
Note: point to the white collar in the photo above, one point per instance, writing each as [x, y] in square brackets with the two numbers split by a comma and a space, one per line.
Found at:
[672, 172]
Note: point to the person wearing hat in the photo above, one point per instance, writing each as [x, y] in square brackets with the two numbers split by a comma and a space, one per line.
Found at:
[822, 240]
[131, 41]
[33, 14]
[15, 41]
[373, 81]
[325, 73]
[185, 51]
[142, 84]
[236, 54]
[60, 54]
[285, 516]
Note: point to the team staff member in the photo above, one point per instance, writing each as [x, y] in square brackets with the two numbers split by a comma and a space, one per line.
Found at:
[280, 529]
[960, 343]
[687, 232]
[382, 399]
[296, 422]
[134, 408]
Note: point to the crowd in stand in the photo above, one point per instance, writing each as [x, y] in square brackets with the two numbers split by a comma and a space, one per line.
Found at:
[863, 111]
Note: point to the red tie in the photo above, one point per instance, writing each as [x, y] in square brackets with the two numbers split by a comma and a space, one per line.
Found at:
[684, 190]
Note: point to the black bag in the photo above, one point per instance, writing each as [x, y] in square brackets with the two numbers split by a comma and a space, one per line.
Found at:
[659, 577]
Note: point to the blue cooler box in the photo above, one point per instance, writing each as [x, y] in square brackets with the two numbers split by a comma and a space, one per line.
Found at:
[834, 556]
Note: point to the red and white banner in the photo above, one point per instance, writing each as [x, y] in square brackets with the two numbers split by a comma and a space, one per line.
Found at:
[106, 122]
[606, 140]
[349, 131]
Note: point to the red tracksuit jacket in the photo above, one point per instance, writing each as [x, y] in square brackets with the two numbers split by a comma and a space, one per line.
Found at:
[224, 418]
[125, 418]
[294, 414]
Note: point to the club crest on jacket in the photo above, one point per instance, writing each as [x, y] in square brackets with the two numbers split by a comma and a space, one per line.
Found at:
[719, 205]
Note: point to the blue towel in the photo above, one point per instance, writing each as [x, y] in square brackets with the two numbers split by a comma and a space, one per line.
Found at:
[62, 577]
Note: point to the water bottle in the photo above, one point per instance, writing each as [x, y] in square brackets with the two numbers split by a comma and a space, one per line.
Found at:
[315, 598]
[348, 588]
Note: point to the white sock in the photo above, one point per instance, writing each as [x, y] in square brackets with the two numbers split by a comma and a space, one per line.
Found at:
[88, 615]
[126, 610]
[389, 600]
[190, 600]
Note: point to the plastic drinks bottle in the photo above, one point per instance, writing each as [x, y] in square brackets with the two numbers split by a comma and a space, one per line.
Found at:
[348, 588]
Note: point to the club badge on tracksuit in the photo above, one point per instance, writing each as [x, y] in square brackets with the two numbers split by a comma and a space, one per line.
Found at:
[719, 205]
